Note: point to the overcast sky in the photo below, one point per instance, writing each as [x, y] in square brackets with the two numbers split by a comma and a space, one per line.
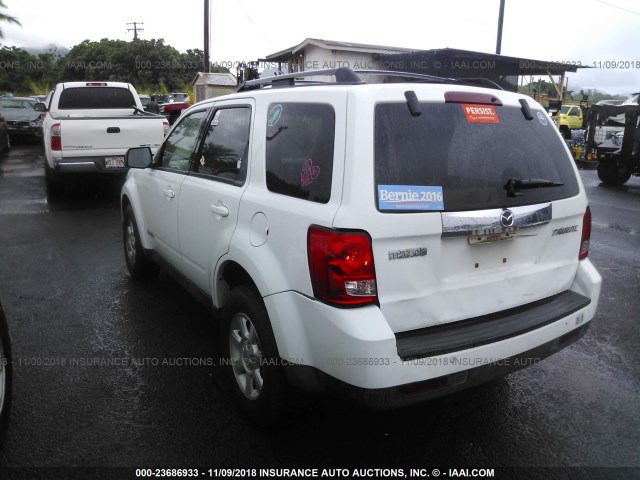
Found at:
[593, 32]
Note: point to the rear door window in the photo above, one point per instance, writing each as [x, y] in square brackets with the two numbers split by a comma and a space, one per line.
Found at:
[299, 156]
[448, 161]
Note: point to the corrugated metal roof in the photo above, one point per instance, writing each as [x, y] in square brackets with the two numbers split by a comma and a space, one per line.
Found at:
[337, 45]
[218, 79]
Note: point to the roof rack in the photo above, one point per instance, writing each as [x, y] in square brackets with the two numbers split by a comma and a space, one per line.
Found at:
[347, 76]
[423, 78]
[344, 76]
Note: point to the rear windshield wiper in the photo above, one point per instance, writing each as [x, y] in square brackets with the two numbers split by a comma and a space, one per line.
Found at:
[513, 185]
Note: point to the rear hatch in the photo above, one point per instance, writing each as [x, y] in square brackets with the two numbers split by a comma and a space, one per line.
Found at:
[455, 232]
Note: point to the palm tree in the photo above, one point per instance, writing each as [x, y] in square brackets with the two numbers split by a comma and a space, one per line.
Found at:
[7, 18]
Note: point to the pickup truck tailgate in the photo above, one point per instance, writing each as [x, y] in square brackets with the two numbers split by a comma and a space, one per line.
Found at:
[109, 135]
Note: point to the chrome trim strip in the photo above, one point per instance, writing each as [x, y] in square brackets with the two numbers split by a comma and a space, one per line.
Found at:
[74, 164]
[486, 222]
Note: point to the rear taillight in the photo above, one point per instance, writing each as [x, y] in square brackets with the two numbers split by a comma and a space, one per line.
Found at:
[56, 137]
[341, 267]
[166, 126]
[586, 235]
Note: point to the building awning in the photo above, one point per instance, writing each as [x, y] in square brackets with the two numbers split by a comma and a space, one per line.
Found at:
[451, 62]
[216, 79]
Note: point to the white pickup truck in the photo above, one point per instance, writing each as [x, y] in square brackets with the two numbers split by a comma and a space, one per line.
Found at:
[89, 126]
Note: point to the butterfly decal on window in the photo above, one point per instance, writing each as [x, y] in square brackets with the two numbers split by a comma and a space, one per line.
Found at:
[309, 172]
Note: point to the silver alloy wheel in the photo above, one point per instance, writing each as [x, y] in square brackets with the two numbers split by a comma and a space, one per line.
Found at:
[131, 242]
[246, 355]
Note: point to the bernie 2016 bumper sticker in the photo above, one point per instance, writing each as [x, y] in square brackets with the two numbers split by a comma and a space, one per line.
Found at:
[410, 197]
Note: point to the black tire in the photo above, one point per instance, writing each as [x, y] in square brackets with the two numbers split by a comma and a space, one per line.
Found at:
[252, 367]
[7, 147]
[55, 186]
[613, 173]
[6, 375]
[565, 132]
[141, 268]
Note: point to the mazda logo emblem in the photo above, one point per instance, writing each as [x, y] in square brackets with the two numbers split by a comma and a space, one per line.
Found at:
[506, 218]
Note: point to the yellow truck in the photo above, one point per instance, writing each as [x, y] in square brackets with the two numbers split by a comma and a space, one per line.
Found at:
[569, 117]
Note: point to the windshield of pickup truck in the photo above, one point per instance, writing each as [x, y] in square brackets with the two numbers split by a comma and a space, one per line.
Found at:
[85, 98]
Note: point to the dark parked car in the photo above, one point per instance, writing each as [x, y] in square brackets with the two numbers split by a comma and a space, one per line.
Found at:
[5, 141]
[5, 374]
[21, 117]
[149, 104]
[145, 100]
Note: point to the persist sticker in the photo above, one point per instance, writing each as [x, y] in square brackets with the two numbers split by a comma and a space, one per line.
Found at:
[410, 197]
[480, 113]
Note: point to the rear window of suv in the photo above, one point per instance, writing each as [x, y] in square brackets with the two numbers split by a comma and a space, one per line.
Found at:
[456, 162]
[95, 98]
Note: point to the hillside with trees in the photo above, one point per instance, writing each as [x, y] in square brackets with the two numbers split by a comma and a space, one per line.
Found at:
[542, 89]
[150, 65]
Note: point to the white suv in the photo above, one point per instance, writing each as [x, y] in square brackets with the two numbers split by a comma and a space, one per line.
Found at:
[390, 242]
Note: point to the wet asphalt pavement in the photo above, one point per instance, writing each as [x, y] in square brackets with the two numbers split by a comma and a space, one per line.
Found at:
[112, 374]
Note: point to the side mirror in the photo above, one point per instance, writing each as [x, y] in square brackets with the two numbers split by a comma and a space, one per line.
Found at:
[139, 157]
[40, 107]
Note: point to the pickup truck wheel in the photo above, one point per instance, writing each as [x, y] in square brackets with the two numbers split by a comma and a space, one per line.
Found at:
[6, 375]
[613, 173]
[140, 267]
[253, 371]
[55, 187]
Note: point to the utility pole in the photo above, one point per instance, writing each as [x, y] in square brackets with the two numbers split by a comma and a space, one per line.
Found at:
[206, 36]
[135, 29]
[500, 20]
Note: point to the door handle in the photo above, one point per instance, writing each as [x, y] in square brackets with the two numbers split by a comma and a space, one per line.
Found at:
[169, 193]
[220, 210]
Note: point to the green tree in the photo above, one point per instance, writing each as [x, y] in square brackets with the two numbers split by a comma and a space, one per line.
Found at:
[6, 18]
[150, 65]
[539, 87]
[18, 67]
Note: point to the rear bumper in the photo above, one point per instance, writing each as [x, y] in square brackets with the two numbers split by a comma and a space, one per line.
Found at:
[355, 352]
[85, 165]
[465, 334]
[482, 370]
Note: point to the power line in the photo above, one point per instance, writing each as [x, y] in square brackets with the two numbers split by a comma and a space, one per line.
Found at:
[618, 7]
[260, 32]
